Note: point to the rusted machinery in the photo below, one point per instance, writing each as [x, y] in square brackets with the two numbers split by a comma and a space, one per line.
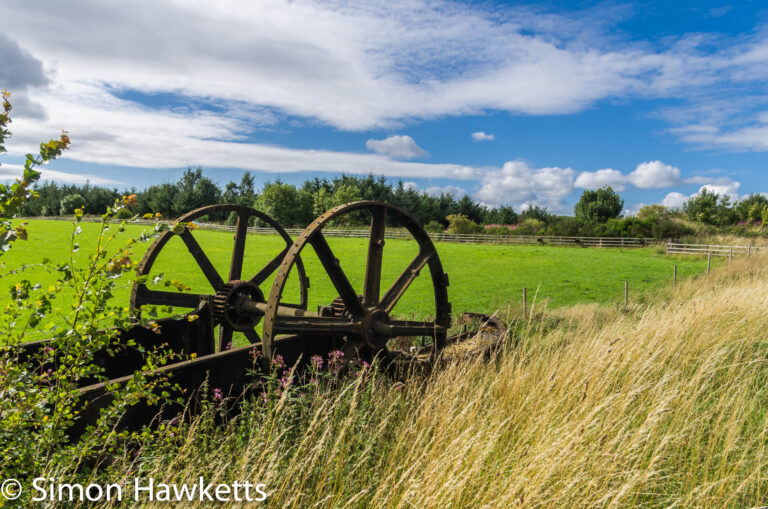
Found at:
[360, 325]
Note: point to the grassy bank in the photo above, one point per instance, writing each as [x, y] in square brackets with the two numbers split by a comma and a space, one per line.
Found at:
[660, 405]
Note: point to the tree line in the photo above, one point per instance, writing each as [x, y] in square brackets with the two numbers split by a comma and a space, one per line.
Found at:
[289, 205]
[597, 213]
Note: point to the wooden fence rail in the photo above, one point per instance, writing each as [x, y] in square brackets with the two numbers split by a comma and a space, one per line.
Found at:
[541, 240]
[712, 249]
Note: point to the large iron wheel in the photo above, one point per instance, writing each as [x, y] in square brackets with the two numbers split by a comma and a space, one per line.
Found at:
[229, 293]
[362, 319]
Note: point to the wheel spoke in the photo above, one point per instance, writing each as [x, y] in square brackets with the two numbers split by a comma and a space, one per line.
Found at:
[225, 337]
[252, 336]
[186, 300]
[390, 299]
[202, 260]
[338, 278]
[269, 268]
[319, 325]
[241, 232]
[375, 250]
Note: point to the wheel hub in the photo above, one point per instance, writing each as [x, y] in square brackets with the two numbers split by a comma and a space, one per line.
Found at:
[228, 305]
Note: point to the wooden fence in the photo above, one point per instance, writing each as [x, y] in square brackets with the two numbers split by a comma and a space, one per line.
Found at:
[619, 242]
[394, 233]
[712, 249]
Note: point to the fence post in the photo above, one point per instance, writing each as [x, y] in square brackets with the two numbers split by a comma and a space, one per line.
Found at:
[626, 293]
[674, 278]
[525, 303]
[730, 254]
[749, 249]
[709, 260]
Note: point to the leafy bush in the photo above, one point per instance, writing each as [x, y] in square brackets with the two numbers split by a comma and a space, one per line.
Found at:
[39, 391]
[458, 223]
[434, 227]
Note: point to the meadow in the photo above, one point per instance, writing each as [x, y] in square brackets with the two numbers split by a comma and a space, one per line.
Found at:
[658, 405]
[586, 404]
[483, 278]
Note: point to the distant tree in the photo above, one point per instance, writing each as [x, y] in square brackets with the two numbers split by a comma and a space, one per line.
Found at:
[755, 213]
[501, 215]
[654, 212]
[71, 202]
[764, 217]
[159, 198]
[708, 207]
[702, 207]
[471, 209]
[280, 201]
[194, 191]
[752, 205]
[538, 213]
[599, 206]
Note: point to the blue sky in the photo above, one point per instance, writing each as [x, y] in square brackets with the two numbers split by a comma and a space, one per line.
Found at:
[514, 103]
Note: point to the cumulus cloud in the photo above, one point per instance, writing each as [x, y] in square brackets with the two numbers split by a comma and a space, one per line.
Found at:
[482, 136]
[600, 178]
[654, 175]
[518, 184]
[110, 131]
[731, 190]
[674, 200]
[397, 146]
[455, 191]
[723, 187]
[13, 171]
[19, 72]
[359, 65]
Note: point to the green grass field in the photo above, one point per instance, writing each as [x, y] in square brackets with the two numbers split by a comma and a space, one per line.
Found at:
[483, 278]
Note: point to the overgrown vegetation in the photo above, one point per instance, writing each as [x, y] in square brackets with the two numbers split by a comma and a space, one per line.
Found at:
[39, 397]
[657, 405]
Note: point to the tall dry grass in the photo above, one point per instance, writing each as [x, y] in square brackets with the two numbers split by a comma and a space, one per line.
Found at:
[662, 405]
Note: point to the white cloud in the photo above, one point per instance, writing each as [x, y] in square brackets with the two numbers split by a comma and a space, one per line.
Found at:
[482, 136]
[455, 191]
[13, 171]
[110, 131]
[723, 187]
[518, 184]
[397, 146]
[360, 65]
[674, 200]
[410, 185]
[600, 178]
[731, 190]
[351, 65]
[654, 175]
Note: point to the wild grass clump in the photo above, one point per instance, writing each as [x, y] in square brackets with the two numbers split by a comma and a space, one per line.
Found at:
[658, 405]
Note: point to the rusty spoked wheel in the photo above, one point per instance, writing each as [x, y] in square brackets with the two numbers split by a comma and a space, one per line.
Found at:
[362, 321]
[238, 304]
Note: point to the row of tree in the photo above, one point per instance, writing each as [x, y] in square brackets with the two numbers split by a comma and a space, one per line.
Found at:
[598, 212]
[287, 204]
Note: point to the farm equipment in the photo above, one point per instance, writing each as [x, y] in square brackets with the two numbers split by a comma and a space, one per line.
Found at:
[360, 325]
